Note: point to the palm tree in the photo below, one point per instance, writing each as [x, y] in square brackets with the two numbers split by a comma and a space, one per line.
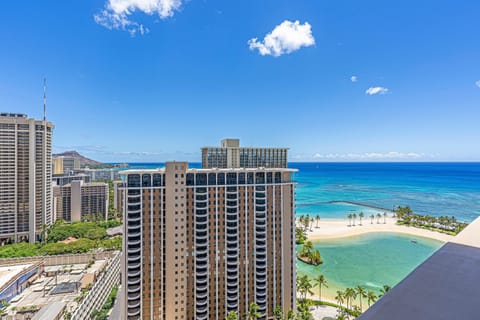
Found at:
[232, 315]
[372, 217]
[306, 222]
[340, 298]
[371, 297]
[378, 217]
[317, 219]
[278, 313]
[341, 316]
[320, 281]
[350, 216]
[361, 215]
[304, 286]
[384, 217]
[361, 294]
[384, 290]
[308, 246]
[301, 219]
[291, 315]
[350, 295]
[354, 218]
[253, 313]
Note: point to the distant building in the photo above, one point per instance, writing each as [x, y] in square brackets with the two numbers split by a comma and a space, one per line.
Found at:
[64, 164]
[231, 155]
[118, 196]
[25, 177]
[101, 174]
[79, 201]
[200, 243]
[61, 180]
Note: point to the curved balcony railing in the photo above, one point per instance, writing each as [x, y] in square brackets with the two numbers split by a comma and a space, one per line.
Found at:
[133, 312]
[261, 289]
[232, 305]
[134, 259]
[133, 289]
[133, 304]
[201, 310]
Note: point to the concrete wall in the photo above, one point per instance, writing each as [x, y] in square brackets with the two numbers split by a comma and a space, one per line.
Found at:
[66, 259]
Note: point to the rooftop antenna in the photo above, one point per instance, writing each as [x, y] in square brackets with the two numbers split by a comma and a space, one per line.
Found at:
[44, 99]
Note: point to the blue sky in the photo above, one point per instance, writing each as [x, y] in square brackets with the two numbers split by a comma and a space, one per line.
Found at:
[154, 80]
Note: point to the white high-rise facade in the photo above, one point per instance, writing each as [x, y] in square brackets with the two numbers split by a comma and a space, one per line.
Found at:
[25, 177]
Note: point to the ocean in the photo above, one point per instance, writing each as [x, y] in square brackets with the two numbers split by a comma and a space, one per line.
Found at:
[435, 189]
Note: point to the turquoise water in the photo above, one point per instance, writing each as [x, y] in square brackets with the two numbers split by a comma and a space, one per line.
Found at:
[370, 260]
[429, 188]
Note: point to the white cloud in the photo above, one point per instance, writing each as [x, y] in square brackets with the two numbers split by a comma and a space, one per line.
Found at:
[371, 156]
[354, 78]
[478, 83]
[116, 14]
[376, 90]
[285, 38]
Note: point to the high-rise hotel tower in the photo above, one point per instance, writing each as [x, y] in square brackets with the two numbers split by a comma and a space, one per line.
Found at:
[200, 243]
[25, 177]
[231, 155]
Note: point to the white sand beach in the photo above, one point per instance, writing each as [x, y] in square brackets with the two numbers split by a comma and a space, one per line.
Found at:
[340, 228]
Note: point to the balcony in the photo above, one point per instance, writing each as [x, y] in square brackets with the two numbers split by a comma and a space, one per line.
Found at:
[133, 296]
[232, 306]
[133, 304]
[133, 312]
[133, 289]
[133, 280]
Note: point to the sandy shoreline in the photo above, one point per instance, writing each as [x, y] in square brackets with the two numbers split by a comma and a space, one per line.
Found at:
[339, 228]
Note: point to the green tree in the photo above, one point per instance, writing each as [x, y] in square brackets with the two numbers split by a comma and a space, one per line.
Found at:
[361, 215]
[308, 247]
[307, 221]
[384, 290]
[372, 217]
[232, 315]
[340, 298]
[362, 293]
[371, 298]
[350, 295]
[278, 313]
[291, 315]
[317, 219]
[378, 217]
[350, 216]
[384, 217]
[304, 286]
[320, 281]
[253, 312]
[354, 218]
[301, 219]
[341, 316]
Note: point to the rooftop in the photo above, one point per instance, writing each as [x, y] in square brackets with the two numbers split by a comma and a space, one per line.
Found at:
[207, 170]
[9, 272]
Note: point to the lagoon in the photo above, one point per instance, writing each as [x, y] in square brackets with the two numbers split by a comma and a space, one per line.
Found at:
[370, 260]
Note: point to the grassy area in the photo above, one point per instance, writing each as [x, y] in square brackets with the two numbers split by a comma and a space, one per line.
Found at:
[90, 236]
[102, 314]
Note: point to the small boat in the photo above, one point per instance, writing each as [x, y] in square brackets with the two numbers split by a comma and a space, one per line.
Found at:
[413, 241]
